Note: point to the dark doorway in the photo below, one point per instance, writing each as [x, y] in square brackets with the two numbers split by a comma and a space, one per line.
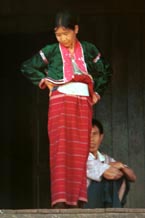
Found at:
[24, 142]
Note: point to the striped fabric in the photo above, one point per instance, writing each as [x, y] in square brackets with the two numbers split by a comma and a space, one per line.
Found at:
[69, 126]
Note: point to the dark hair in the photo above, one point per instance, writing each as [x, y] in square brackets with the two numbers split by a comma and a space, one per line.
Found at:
[98, 124]
[66, 19]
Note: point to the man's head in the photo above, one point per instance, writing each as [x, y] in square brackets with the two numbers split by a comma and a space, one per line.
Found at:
[97, 134]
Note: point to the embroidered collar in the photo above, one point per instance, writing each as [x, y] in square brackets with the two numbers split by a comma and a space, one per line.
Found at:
[68, 71]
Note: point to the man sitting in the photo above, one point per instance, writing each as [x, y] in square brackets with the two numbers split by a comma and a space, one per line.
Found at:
[107, 179]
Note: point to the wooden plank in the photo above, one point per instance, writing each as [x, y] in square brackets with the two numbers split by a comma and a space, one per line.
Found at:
[74, 213]
[119, 89]
[27, 7]
[135, 112]
[103, 110]
[41, 171]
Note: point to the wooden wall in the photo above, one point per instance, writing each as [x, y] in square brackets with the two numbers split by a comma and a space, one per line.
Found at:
[122, 108]
[118, 30]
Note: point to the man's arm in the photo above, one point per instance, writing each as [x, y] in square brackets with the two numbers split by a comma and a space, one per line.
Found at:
[128, 172]
[95, 169]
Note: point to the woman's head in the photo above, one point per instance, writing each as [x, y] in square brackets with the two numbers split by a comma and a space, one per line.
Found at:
[65, 19]
[66, 29]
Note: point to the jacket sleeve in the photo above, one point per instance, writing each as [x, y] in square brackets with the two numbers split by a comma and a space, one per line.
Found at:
[35, 68]
[101, 70]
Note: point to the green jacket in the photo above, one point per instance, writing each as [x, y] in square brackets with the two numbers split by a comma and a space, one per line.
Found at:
[36, 68]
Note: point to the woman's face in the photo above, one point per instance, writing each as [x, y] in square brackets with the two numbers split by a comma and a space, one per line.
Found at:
[65, 36]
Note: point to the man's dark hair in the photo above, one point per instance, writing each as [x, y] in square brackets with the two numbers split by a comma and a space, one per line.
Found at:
[98, 124]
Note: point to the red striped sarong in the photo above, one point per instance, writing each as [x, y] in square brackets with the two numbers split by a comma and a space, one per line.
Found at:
[69, 126]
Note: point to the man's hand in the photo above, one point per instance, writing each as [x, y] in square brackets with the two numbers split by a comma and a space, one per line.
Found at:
[117, 164]
[112, 173]
[125, 170]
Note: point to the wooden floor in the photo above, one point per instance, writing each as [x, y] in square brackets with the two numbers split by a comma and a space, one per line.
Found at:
[74, 213]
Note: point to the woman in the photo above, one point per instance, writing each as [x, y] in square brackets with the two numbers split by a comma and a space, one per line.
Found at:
[76, 76]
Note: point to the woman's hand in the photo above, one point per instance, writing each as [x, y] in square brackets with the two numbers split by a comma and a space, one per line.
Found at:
[49, 86]
[95, 98]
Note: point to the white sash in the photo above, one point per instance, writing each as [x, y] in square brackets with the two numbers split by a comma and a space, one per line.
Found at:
[74, 88]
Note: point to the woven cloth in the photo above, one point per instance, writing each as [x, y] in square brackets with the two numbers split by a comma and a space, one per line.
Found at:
[69, 126]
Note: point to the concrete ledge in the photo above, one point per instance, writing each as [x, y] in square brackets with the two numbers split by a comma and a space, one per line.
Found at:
[74, 213]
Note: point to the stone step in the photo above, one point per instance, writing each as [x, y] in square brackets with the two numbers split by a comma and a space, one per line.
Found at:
[74, 213]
